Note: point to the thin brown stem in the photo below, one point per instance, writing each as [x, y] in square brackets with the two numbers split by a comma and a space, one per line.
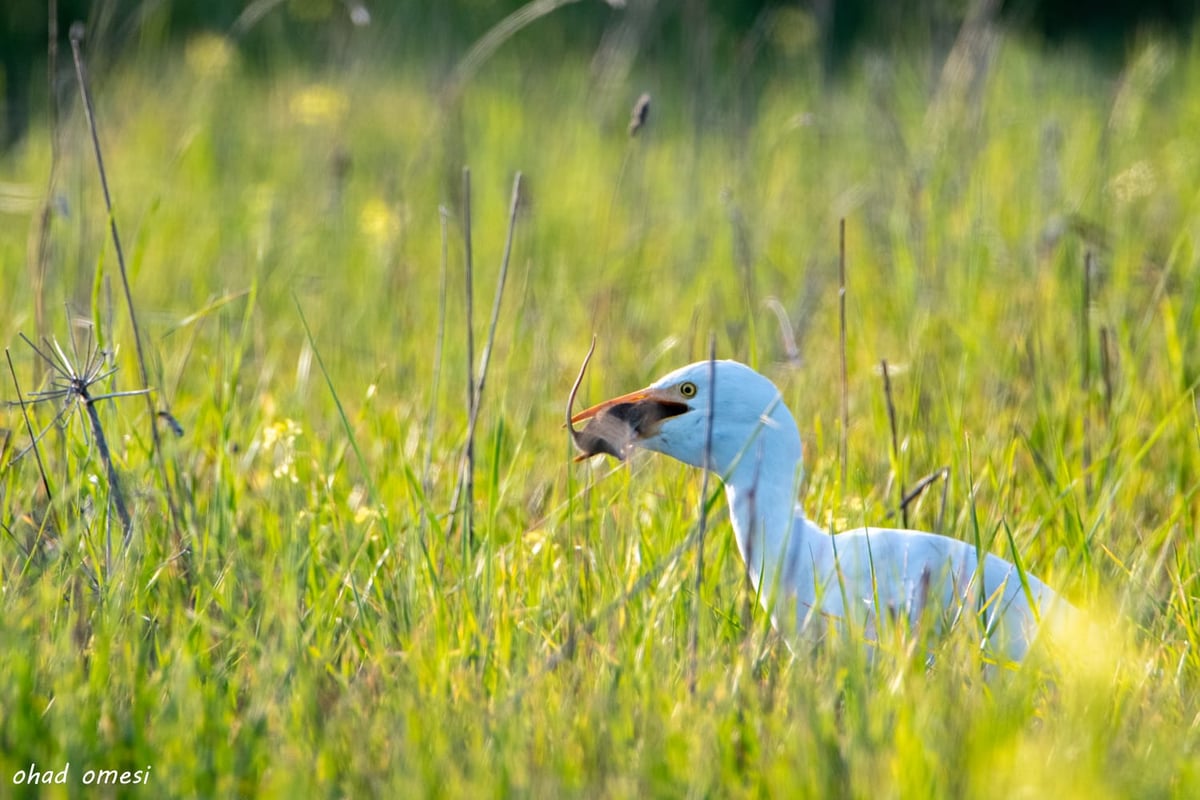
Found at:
[41, 252]
[143, 370]
[694, 633]
[513, 208]
[476, 385]
[33, 438]
[437, 352]
[467, 479]
[891, 412]
[114, 482]
[1106, 368]
[1085, 354]
[907, 498]
[843, 445]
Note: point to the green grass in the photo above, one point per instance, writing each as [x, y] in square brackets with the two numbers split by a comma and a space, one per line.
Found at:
[330, 636]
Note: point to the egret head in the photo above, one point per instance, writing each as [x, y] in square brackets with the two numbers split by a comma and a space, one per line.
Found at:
[672, 416]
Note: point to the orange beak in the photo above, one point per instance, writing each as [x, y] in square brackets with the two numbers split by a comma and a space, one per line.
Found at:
[615, 425]
[641, 395]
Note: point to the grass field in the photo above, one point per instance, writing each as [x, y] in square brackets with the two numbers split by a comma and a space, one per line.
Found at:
[331, 632]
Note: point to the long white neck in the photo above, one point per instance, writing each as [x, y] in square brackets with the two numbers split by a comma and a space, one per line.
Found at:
[751, 441]
[761, 490]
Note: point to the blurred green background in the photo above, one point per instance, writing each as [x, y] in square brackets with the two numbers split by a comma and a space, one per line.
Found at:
[277, 33]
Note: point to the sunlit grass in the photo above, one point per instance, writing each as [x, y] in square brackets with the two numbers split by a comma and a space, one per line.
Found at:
[336, 638]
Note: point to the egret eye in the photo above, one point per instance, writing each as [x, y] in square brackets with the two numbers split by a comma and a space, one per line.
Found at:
[687, 389]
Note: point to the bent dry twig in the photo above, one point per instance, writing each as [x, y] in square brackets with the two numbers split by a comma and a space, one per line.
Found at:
[607, 433]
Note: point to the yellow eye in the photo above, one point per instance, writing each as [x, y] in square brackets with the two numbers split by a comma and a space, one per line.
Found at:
[687, 389]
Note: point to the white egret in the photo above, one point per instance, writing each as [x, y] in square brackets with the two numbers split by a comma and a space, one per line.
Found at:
[805, 577]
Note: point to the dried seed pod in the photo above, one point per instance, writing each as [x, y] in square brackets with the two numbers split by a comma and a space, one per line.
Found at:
[640, 113]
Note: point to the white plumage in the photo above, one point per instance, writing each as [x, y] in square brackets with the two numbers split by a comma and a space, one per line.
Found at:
[862, 579]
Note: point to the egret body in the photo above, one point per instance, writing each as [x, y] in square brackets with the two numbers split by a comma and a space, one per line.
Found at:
[858, 579]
